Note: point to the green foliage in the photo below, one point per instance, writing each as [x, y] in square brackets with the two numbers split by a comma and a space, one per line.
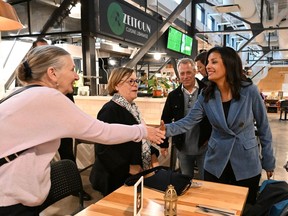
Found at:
[155, 83]
[79, 82]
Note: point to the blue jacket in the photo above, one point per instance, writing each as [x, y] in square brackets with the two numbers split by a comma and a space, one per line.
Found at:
[235, 138]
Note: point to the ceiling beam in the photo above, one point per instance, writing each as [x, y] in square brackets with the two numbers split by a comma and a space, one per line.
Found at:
[228, 31]
[158, 33]
[57, 13]
[265, 50]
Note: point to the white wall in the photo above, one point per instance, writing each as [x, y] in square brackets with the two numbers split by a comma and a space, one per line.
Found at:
[17, 51]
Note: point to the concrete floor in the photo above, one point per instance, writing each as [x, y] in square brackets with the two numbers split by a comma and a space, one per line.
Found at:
[280, 140]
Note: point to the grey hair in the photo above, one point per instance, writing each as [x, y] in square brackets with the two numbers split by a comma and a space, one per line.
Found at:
[38, 60]
[185, 61]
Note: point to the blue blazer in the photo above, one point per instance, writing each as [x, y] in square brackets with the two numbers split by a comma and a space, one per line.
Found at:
[235, 138]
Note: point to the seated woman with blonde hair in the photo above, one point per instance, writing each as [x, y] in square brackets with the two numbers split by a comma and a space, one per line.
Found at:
[114, 164]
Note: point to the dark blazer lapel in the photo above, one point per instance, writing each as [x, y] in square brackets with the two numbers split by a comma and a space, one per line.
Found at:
[218, 111]
[235, 109]
[217, 107]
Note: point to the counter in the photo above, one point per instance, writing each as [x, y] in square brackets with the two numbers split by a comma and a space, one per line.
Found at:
[150, 108]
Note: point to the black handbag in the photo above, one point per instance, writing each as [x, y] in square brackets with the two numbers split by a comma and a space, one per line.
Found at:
[162, 177]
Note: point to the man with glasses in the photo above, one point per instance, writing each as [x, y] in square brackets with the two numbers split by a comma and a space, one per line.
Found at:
[191, 146]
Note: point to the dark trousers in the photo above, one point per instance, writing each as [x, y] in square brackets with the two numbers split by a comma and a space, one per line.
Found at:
[19, 210]
[66, 145]
[66, 149]
[228, 177]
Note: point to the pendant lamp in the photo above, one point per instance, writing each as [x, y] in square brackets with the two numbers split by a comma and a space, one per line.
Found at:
[9, 20]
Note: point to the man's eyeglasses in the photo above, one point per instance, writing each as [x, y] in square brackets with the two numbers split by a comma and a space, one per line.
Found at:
[132, 81]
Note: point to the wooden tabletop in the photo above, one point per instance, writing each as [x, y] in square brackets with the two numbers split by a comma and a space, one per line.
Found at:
[120, 202]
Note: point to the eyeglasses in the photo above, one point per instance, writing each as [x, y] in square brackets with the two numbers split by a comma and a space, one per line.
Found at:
[132, 81]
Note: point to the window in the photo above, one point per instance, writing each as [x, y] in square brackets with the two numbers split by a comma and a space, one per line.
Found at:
[233, 42]
[227, 39]
[219, 28]
[211, 23]
[200, 14]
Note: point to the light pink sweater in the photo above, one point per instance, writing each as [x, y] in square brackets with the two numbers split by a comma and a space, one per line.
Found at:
[36, 119]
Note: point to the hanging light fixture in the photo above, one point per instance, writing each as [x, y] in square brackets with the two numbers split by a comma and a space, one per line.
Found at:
[75, 11]
[157, 54]
[9, 20]
[228, 8]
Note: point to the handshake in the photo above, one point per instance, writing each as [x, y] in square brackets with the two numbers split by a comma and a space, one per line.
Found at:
[156, 134]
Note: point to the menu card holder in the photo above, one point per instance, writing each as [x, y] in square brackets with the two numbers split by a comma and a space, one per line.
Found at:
[138, 197]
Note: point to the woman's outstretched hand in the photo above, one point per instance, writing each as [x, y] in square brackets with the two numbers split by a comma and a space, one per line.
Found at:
[162, 126]
[155, 135]
[269, 174]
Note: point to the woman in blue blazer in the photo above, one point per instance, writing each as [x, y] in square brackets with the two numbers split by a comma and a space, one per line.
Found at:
[232, 104]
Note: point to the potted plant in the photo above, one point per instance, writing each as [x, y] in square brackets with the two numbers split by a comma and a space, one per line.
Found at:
[158, 85]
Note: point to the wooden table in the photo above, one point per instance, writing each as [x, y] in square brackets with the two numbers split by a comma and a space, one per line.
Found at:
[221, 196]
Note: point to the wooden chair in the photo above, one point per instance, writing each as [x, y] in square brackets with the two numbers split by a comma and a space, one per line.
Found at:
[283, 109]
[65, 181]
[78, 142]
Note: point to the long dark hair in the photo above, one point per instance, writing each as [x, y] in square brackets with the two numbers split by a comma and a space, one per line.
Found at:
[234, 72]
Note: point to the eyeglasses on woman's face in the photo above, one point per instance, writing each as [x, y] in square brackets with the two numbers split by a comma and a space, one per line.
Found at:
[133, 81]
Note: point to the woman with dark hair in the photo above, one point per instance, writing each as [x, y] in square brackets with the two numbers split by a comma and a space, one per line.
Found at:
[232, 103]
[200, 61]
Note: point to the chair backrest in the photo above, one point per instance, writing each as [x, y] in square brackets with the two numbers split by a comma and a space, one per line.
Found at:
[65, 181]
[272, 199]
[284, 103]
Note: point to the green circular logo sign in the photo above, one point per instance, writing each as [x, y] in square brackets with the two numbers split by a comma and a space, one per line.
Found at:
[115, 18]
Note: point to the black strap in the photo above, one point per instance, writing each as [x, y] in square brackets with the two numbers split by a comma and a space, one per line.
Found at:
[17, 92]
[133, 179]
[10, 157]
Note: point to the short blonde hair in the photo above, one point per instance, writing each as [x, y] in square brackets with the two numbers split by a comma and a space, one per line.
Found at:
[116, 77]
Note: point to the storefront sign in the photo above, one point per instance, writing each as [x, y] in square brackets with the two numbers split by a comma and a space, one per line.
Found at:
[122, 20]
